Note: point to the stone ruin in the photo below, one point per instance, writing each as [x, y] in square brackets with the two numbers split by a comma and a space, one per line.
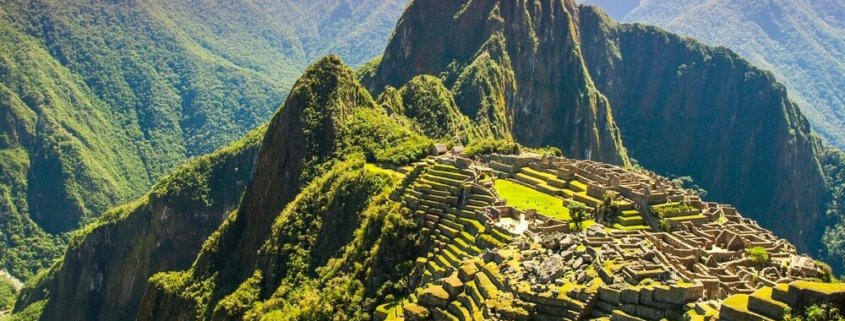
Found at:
[667, 254]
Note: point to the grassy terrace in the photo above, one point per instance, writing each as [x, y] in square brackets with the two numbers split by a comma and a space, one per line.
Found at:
[373, 168]
[525, 198]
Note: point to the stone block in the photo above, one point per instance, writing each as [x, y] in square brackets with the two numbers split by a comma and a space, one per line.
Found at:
[629, 295]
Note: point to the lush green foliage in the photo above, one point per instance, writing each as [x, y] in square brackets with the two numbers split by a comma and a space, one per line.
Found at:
[816, 312]
[668, 209]
[100, 99]
[833, 163]
[7, 293]
[490, 146]
[336, 250]
[758, 255]
[383, 139]
[430, 106]
[526, 198]
[207, 186]
[578, 212]
[31, 313]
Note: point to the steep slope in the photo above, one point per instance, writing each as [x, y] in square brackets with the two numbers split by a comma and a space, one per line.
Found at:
[104, 273]
[430, 107]
[284, 235]
[802, 42]
[100, 99]
[514, 67]
[160, 232]
[833, 162]
[707, 113]
[63, 154]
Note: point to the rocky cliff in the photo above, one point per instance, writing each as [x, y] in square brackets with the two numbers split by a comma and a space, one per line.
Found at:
[688, 109]
[515, 68]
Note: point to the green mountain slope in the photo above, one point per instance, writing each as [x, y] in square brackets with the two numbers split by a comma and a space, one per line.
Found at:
[309, 201]
[163, 231]
[801, 42]
[160, 231]
[707, 113]
[100, 99]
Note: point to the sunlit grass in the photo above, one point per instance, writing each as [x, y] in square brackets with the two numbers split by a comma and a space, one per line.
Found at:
[525, 198]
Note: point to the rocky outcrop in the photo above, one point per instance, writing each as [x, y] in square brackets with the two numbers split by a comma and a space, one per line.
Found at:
[515, 68]
[688, 109]
[104, 273]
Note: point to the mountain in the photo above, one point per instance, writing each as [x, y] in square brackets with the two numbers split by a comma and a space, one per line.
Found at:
[101, 99]
[575, 80]
[344, 216]
[493, 61]
[707, 113]
[801, 42]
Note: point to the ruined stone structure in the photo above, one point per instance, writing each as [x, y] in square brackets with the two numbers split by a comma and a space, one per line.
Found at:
[655, 252]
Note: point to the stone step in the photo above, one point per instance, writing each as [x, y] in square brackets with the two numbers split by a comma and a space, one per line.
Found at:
[630, 220]
[451, 257]
[533, 181]
[537, 174]
[619, 315]
[468, 214]
[695, 219]
[448, 231]
[438, 193]
[762, 303]
[577, 186]
[452, 175]
[452, 169]
[457, 308]
[472, 226]
[444, 180]
[443, 315]
[479, 203]
[481, 197]
[735, 308]
[450, 223]
[440, 186]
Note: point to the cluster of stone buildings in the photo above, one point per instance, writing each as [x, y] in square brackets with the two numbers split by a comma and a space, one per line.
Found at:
[666, 255]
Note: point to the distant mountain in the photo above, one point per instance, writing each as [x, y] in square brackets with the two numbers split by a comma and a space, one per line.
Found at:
[99, 99]
[801, 41]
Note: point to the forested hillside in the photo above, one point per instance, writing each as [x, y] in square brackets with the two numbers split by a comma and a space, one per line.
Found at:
[100, 99]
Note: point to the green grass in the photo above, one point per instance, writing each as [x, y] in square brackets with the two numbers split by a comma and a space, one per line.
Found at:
[525, 198]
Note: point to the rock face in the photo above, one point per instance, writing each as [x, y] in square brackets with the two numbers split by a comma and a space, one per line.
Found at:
[688, 109]
[104, 273]
[515, 68]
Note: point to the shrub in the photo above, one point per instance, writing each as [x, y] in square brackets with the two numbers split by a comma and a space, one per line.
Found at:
[758, 255]
[490, 146]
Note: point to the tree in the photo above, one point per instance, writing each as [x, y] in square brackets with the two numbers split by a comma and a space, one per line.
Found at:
[609, 209]
[578, 213]
[823, 312]
[758, 255]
